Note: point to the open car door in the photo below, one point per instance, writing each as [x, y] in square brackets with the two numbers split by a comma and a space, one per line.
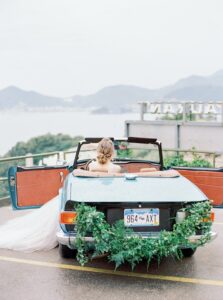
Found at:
[33, 187]
[209, 180]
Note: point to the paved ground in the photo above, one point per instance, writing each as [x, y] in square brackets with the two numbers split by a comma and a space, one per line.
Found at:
[44, 275]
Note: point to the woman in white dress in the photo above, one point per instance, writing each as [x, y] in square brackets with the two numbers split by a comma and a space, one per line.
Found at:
[36, 231]
[105, 153]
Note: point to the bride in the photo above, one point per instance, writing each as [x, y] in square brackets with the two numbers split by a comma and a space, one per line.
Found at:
[37, 229]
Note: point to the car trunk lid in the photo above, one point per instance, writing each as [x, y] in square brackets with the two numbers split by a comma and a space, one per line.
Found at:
[141, 189]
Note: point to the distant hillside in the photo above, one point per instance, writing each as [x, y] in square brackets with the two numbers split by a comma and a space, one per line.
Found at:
[197, 88]
[13, 97]
[118, 98]
[197, 93]
[114, 98]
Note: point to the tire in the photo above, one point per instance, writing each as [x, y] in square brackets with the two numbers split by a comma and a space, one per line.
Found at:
[188, 252]
[66, 252]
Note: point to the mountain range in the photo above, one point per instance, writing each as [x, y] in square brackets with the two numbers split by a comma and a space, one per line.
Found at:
[117, 98]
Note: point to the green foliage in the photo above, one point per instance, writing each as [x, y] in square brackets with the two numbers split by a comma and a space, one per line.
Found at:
[172, 117]
[179, 161]
[44, 143]
[198, 161]
[123, 151]
[175, 160]
[179, 117]
[123, 245]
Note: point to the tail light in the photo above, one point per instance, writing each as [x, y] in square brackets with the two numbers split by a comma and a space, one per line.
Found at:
[68, 217]
[211, 217]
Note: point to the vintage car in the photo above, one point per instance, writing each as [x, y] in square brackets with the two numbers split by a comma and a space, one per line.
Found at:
[143, 188]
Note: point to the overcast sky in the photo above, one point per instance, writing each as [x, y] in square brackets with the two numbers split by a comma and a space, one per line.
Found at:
[67, 47]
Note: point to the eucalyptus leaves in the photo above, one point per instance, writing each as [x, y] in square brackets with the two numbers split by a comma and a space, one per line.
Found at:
[122, 245]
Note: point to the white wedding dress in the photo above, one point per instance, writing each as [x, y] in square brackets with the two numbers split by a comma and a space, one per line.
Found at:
[35, 231]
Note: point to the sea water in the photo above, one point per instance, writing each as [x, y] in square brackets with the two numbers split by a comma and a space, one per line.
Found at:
[18, 126]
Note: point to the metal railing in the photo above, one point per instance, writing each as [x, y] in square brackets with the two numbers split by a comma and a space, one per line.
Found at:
[3, 179]
[45, 154]
[213, 155]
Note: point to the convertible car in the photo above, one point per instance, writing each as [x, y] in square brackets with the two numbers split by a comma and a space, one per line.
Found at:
[148, 198]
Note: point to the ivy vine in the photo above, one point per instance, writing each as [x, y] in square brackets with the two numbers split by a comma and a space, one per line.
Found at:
[123, 245]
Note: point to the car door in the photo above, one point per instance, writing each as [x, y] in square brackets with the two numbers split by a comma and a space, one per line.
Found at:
[33, 187]
[209, 180]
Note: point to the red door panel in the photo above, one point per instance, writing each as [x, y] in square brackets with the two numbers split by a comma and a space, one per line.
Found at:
[210, 182]
[33, 187]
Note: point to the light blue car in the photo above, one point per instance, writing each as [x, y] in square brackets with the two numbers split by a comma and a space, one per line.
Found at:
[147, 197]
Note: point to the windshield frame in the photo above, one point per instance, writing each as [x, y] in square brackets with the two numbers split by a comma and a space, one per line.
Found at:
[136, 140]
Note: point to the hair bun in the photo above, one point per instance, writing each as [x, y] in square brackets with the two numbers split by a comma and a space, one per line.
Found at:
[105, 150]
[102, 159]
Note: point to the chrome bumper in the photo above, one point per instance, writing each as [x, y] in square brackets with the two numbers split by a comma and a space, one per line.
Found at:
[195, 238]
[69, 239]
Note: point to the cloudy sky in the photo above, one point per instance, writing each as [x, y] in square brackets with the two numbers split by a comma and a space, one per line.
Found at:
[67, 47]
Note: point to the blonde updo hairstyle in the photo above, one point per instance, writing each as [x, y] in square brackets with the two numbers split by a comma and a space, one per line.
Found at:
[105, 151]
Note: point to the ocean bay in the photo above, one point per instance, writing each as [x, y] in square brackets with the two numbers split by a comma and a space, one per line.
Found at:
[19, 126]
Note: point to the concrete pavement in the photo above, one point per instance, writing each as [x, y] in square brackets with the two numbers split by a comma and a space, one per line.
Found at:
[44, 275]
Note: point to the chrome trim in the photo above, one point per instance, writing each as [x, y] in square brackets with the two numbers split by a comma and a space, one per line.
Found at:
[194, 238]
[69, 239]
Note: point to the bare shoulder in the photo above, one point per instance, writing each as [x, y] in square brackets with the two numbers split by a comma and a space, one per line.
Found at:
[93, 165]
[115, 168]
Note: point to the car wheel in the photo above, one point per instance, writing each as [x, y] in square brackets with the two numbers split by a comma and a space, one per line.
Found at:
[188, 252]
[66, 252]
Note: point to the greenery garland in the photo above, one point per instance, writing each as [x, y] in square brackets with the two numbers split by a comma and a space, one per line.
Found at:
[122, 245]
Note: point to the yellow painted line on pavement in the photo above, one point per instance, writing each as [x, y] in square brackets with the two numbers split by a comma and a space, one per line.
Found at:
[111, 272]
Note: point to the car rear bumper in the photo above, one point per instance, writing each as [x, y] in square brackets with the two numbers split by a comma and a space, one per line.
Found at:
[69, 239]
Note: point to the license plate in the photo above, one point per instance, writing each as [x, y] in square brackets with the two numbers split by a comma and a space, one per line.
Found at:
[141, 217]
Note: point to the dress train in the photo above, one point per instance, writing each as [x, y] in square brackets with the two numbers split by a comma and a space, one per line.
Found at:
[35, 231]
